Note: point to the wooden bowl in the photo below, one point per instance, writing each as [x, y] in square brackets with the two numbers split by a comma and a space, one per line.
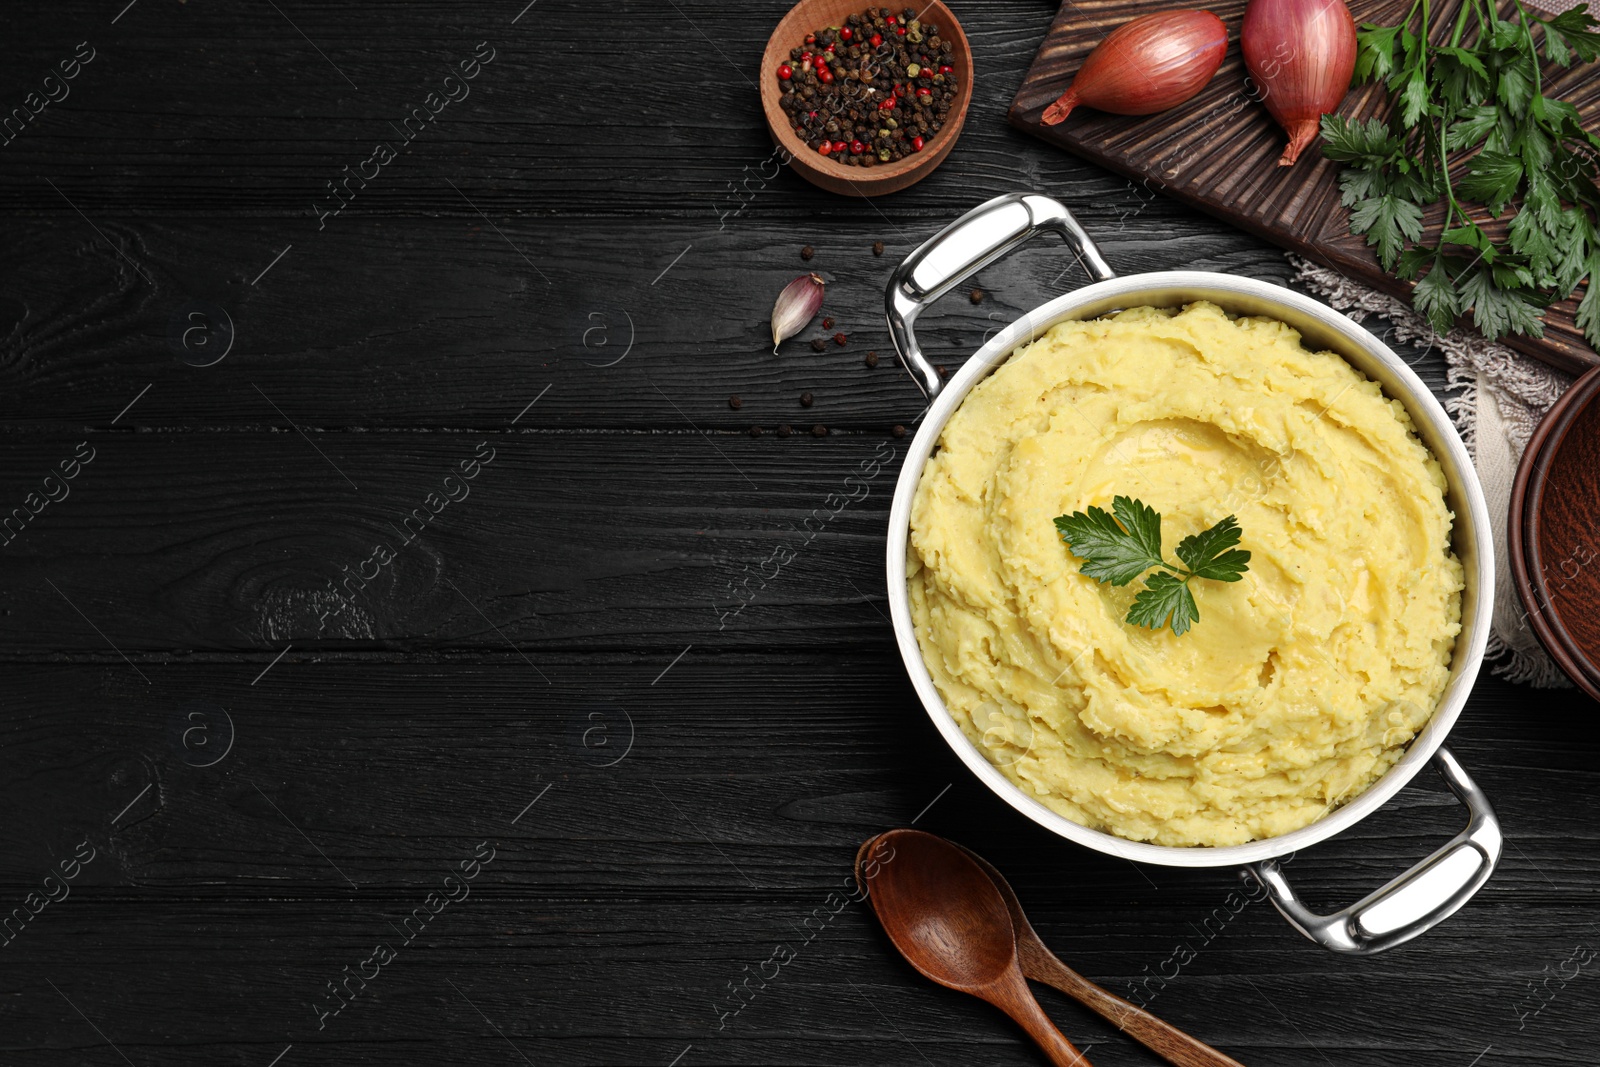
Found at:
[1554, 532]
[809, 16]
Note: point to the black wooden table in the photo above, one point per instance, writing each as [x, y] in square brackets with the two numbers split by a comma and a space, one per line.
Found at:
[378, 686]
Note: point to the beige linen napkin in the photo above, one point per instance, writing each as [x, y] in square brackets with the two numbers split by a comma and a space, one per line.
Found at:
[1501, 397]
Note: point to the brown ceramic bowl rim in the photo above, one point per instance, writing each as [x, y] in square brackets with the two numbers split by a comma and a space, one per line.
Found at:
[1523, 527]
[792, 26]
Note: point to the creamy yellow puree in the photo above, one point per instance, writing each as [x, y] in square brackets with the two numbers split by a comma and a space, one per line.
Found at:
[1298, 687]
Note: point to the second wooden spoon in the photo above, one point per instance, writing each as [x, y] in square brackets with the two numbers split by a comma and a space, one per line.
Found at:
[1042, 965]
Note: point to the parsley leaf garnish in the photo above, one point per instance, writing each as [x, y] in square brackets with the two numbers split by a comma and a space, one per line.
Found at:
[1114, 552]
[1120, 546]
[1164, 595]
[1471, 130]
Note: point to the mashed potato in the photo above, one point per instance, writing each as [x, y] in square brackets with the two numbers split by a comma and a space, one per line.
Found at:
[1299, 686]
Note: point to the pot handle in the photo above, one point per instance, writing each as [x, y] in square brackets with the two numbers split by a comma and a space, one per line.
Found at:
[975, 240]
[1416, 901]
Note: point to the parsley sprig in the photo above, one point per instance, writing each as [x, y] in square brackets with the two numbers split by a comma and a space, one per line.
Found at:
[1119, 547]
[1478, 97]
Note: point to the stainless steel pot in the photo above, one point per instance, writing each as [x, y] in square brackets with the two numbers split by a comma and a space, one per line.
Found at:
[1437, 886]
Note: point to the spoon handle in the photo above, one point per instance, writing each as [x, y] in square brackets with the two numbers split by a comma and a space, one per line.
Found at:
[1018, 1001]
[1157, 1035]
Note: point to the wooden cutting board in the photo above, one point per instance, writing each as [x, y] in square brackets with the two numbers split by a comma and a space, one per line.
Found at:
[1219, 151]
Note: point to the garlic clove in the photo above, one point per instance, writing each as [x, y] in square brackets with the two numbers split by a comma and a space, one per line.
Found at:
[796, 306]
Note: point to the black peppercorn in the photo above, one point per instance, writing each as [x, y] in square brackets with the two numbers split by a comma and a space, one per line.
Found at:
[805, 400]
[819, 430]
[818, 345]
[807, 252]
[754, 431]
[872, 359]
[735, 403]
[837, 101]
[877, 248]
[977, 296]
[898, 431]
[783, 429]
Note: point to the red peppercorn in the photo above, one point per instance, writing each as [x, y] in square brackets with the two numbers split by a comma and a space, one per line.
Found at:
[924, 91]
[916, 144]
[825, 147]
[875, 40]
[785, 72]
[830, 49]
[811, 38]
[806, 57]
[825, 76]
[857, 147]
[945, 68]
[891, 20]
[901, 30]
[846, 33]
[813, 114]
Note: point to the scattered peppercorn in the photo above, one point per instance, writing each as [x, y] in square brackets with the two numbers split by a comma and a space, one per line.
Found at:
[735, 403]
[783, 429]
[840, 339]
[877, 248]
[754, 431]
[898, 431]
[870, 92]
[942, 372]
[872, 359]
[977, 296]
[819, 430]
[807, 252]
[827, 324]
[818, 344]
[805, 400]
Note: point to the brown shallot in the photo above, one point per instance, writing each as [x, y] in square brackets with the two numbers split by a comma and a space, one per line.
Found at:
[1300, 54]
[1147, 65]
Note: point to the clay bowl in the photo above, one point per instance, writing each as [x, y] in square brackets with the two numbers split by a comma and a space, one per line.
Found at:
[1554, 532]
[811, 15]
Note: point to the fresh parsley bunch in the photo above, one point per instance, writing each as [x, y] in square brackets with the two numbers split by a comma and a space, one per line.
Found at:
[1478, 97]
[1118, 548]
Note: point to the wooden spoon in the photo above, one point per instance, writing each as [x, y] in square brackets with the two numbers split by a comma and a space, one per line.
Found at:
[949, 921]
[1042, 965]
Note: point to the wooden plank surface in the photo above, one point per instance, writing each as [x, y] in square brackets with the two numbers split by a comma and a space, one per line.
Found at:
[1219, 151]
[273, 778]
[462, 331]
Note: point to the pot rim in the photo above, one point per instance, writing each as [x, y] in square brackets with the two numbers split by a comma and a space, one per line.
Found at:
[1319, 325]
